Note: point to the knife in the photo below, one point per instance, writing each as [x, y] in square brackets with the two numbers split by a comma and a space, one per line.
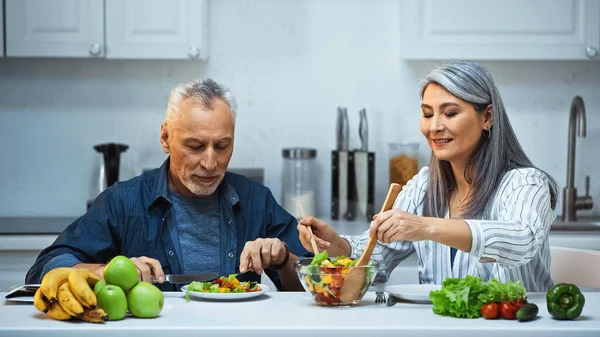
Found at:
[342, 129]
[363, 130]
[364, 166]
[188, 278]
[352, 194]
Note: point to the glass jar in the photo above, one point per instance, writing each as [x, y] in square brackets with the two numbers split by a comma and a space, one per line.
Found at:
[298, 183]
[403, 162]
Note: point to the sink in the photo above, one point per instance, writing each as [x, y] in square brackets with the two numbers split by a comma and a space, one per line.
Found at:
[583, 224]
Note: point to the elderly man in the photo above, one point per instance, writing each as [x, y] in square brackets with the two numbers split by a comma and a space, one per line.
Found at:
[190, 215]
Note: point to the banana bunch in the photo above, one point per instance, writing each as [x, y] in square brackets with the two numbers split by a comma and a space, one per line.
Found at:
[67, 293]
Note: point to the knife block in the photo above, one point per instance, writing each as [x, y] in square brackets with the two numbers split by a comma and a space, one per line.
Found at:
[352, 185]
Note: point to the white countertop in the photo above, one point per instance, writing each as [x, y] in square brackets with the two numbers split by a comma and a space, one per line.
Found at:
[295, 314]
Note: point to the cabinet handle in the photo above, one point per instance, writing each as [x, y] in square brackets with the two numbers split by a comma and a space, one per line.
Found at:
[193, 52]
[591, 52]
[95, 49]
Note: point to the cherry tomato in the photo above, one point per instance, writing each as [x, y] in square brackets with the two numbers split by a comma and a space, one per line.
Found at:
[519, 302]
[508, 310]
[321, 298]
[337, 281]
[490, 310]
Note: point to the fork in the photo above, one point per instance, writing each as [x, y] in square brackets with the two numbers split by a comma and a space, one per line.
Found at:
[380, 297]
[379, 284]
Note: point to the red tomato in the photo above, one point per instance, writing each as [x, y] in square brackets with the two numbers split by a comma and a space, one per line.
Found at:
[519, 302]
[320, 298]
[508, 311]
[337, 281]
[490, 310]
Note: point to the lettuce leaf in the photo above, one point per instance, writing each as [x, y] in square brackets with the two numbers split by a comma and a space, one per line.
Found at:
[464, 297]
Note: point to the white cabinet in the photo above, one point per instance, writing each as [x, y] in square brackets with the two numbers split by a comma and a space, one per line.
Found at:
[501, 30]
[157, 29]
[116, 29]
[1, 29]
[57, 28]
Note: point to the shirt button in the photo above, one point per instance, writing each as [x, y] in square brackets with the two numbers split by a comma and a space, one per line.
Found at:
[229, 222]
[171, 253]
[231, 254]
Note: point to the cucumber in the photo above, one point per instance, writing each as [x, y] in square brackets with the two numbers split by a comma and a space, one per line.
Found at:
[527, 312]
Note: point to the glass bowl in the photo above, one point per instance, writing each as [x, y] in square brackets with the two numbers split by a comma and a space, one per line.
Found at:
[324, 283]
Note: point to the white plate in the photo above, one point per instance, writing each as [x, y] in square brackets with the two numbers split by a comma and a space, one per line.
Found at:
[226, 296]
[418, 293]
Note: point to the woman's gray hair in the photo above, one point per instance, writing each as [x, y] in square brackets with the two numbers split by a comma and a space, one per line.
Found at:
[205, 91]
[494, 155]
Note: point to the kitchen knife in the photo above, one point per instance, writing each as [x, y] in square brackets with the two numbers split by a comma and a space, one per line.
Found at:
[188, 278]
[363, 130]
[364, 168]
[352, 201]
[343, 128]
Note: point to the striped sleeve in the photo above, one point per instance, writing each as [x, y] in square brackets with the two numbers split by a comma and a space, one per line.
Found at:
[390, 255]
[524, 220]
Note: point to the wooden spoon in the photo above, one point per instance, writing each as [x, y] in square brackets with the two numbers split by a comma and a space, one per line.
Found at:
[312, 237]
[355, 279]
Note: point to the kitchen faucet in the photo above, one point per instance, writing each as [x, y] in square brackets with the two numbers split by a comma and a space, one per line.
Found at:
[571, 202]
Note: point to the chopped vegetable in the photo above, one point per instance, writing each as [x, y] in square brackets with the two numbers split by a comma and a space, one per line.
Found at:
[565, 301]
[229, 284]
[325, 277]
[464, 297]
[319, 258]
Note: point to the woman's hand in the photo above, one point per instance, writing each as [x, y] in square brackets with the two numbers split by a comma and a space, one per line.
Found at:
[325, 237]
[396, 225]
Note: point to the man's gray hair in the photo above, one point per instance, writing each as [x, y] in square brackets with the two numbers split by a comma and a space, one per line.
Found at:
[497, 152]
[205, 91]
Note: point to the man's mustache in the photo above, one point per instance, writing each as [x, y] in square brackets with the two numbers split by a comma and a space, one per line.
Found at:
[207, 174]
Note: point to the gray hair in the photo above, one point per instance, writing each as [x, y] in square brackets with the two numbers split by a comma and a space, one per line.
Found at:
[205, 91]
[493, 156]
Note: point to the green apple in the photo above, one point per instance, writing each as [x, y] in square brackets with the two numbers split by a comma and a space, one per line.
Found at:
[122, 272]
[113, 301]
[145, 300]
[98, 286]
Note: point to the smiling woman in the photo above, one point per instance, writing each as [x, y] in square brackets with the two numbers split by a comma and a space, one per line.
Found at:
[479, 208]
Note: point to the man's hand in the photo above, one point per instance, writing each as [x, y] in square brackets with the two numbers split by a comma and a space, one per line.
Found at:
[260, 254]
[96, 268]
[147, 267]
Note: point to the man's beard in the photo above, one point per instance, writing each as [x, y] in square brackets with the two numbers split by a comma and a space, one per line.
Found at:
[201, 190]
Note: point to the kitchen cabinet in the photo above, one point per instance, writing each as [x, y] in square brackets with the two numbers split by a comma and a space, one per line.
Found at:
[158, 29]
[501, 30]
[57, 28]
[115, 29]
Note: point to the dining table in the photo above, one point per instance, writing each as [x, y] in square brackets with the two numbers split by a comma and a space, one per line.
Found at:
[293, 314]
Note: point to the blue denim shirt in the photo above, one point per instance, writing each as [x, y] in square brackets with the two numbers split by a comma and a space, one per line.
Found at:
[135, 218]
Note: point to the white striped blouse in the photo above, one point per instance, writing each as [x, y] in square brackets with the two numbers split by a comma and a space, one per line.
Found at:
[514, 234]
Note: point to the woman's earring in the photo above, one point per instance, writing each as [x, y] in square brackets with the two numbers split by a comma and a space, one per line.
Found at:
[488, 134]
